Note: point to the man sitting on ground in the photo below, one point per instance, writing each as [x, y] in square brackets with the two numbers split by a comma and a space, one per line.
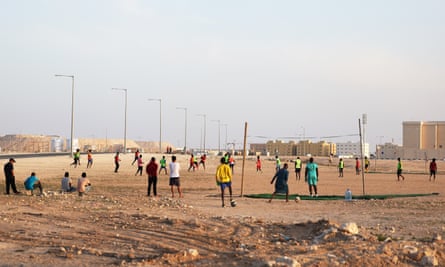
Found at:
[32, 182]
[67, 183]
[83, 184]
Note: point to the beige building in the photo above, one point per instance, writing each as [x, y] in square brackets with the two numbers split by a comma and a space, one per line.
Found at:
[322, 148]
[423, 140]
[424, 135]
[258, 149]
[302, 148]
[389, 151]
[279, 147]
[51, 143]
[19, 143]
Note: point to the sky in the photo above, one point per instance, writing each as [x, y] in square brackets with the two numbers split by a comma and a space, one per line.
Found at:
[289, 69]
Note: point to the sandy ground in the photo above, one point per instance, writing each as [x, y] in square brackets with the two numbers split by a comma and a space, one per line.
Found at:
[117, 224]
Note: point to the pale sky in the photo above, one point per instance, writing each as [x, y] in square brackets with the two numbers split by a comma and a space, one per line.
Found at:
[287, 68]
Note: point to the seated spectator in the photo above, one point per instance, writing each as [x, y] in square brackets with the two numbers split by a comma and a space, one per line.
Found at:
[83, 184]
[67, 184]
[32, 182]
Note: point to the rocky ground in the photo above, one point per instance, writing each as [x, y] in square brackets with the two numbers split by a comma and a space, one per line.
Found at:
[117, 224]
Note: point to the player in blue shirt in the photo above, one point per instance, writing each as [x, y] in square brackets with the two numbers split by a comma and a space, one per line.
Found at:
[32, 182]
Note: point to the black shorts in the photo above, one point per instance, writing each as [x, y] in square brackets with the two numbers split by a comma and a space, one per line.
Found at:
[174, 181]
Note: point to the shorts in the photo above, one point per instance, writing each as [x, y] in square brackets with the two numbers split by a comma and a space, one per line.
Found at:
[312, 180]
[399, 172]
[298, 170]
[174, 181]
[224, 185]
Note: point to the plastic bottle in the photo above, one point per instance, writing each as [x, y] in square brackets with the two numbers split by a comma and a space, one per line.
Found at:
[348, 195]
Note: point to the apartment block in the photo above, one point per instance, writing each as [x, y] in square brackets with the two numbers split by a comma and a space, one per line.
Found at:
[258, 149]
[278, 147]
[389, 151]
[424, 135]
[302, 148]
[423, 140]
[351, 149]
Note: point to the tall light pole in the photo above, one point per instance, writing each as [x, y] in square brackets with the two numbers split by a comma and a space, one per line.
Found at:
[160, 121]
[72, 108]
[225, 125]
[364, 122]
[205, 129]
[125, 120]
[219, 134]
[185, 131]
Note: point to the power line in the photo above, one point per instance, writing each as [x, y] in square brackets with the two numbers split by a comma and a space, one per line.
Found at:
[306, 137]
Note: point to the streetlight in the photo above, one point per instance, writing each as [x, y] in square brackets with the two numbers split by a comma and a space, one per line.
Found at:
[205, 120]
[160, 121]
[219, 134]
[185, 131]
[225, 125]
[125, 121]
[72, 107]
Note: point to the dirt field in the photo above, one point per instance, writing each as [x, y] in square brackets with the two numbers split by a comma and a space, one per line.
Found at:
[117, 224]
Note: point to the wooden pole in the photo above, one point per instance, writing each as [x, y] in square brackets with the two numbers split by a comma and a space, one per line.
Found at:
[361, 154]
[244, 158]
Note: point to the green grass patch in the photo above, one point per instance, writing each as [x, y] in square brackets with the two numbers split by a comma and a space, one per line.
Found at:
[335, 197]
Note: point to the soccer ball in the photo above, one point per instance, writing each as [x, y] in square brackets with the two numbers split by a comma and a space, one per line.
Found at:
[233, 203]
[297, 199]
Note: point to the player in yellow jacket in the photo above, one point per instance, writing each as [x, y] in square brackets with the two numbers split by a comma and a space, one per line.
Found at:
[224, 179]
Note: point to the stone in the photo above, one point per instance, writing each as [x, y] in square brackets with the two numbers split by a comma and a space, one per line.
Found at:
[429, 252]
[350, 228]
[429, 261]
[193, 252]
[287, 261]
[385, 249]
[326, 234]
[131, 254]
[410, 249]
[412, 252]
